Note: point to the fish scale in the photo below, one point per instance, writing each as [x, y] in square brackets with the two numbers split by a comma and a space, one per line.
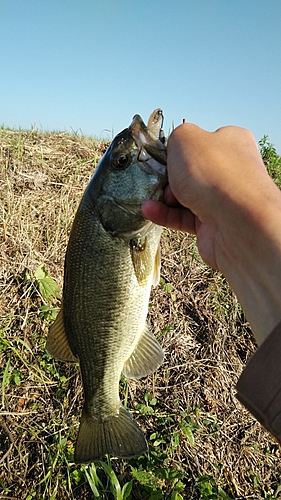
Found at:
[112, 260]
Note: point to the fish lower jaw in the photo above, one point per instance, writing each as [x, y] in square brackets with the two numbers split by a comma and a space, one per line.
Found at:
[136, 233]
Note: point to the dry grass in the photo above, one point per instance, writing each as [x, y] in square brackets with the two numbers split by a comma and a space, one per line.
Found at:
[204, 429]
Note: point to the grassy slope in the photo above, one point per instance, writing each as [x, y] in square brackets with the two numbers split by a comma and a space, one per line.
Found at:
[203, 443]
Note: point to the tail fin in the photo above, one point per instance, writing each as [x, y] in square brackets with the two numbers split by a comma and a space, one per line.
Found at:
[118, 435]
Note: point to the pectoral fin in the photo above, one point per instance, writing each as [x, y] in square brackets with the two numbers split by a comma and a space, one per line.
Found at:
[142, 259]
[143, 262]
[57, 343]
[157, 266]
[146, 357]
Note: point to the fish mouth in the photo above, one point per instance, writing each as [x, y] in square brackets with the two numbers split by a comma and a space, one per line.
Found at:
[152, 155]
[150, 162]
[152, 152]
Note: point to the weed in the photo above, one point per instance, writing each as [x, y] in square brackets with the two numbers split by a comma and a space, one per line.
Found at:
[271, 159]
[208, 490]
[148, 407]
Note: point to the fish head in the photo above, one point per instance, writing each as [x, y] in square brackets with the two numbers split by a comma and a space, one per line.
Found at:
[132, 170]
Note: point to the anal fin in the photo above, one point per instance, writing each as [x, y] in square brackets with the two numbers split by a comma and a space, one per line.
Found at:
[57, 343]
[147, 356]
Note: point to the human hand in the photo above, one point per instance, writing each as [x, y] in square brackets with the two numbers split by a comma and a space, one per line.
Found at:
[219, 190]
[209, 174]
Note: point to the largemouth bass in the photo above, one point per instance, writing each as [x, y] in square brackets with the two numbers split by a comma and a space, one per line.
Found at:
[112, 260]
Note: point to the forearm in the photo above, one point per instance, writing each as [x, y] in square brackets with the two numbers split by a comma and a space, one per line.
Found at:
[249, 255]
[259, 387]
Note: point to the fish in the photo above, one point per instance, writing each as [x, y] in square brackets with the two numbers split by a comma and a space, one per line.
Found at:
[111, 263]
[155, 124]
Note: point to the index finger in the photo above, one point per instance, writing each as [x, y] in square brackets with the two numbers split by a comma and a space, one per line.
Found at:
[179, 218]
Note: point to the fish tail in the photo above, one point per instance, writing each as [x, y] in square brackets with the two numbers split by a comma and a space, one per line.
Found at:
[118, 435]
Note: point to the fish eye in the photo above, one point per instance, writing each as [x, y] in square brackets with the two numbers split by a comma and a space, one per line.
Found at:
[121, 161]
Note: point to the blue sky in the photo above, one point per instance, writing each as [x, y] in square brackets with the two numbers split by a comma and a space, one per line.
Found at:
[90, 65]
